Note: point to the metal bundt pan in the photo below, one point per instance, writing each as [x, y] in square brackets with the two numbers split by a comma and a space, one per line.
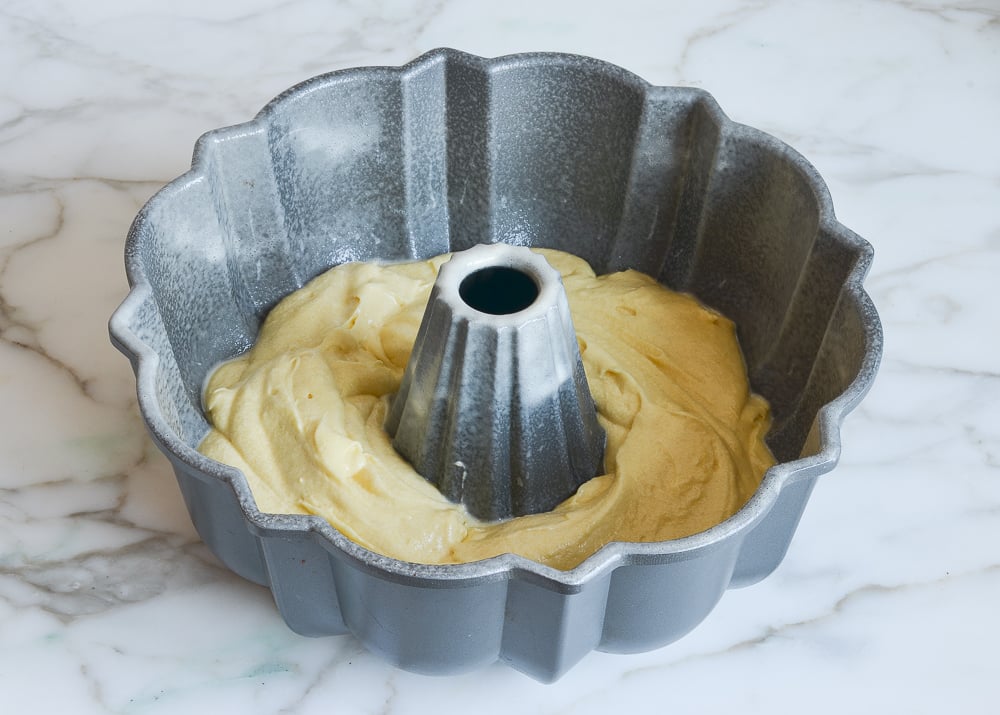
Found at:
[444, 153]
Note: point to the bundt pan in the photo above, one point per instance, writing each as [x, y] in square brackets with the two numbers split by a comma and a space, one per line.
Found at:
[451, 151]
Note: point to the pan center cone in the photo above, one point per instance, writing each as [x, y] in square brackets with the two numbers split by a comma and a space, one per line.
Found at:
[494, 406]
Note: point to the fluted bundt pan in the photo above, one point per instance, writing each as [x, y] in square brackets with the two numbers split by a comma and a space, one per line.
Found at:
[443, 154]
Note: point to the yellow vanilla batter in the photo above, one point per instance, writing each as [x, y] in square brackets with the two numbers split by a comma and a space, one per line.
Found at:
[301, 415]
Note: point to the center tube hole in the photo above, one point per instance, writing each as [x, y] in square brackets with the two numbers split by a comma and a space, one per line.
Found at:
[498, 290]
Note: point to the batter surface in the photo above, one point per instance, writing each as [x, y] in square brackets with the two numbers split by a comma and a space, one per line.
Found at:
[301, 415]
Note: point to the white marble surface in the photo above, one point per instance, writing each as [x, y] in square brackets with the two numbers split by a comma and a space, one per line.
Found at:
[887, 600]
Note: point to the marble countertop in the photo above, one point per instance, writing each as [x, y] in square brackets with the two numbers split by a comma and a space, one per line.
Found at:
[887, 600]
